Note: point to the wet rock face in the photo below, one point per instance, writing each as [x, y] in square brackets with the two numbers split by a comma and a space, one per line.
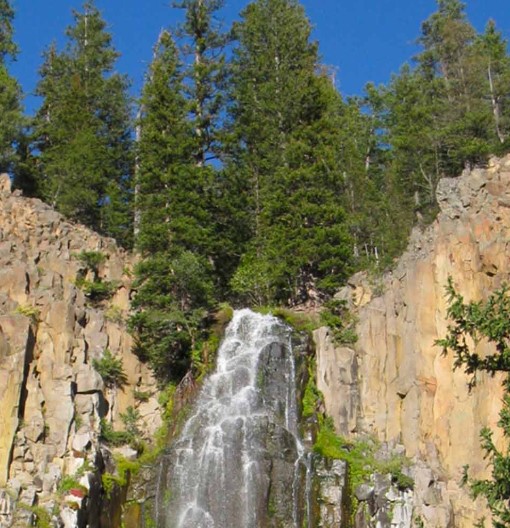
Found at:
[51, 398]
[395, 383]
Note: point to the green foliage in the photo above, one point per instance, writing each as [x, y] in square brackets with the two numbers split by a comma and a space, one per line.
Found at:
[82, 132]
[11, 118]
[68, 483]
[32, 312]
[171, 307]
[131, 419]
[141, 396]
[300, 321]
[97, 291]
[340, 320]
[91, 259]
[111, 370]
[471, 324]
[284, 142]
[312, 396]
[42, 516]
[111, 437]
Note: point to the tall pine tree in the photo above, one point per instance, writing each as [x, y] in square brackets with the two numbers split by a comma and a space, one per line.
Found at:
[11, 119]
[83, 129]
[284, 120]
[173, 284]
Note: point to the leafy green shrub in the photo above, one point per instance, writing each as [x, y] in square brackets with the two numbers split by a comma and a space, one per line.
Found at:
[111, 370]
[42, 517]
[124, 468]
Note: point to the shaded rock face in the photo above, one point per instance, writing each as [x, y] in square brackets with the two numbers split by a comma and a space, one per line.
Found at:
[51, 398]
[239, 460]
[395, 383]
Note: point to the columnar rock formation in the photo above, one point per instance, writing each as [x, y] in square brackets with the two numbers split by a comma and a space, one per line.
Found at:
[395, 383]
[51, 397]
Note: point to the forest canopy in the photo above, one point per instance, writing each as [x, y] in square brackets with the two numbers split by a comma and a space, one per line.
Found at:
[240, 172]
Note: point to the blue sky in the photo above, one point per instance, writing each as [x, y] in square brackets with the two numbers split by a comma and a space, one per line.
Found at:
[364, 40]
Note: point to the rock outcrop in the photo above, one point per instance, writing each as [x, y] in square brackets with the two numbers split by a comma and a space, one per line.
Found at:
[395, 384]
[52, 400]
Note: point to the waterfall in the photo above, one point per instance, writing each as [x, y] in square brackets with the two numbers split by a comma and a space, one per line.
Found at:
[239, 462]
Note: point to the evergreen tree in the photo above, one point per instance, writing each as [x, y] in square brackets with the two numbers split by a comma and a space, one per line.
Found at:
[447, 66]
[11, 119]
[493, 63]
[284, 118]
[206, 72]
[174, 288]
[82, 129]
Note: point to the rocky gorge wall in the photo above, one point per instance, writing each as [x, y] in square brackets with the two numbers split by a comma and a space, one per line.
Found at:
[394, 383]
[51, 398]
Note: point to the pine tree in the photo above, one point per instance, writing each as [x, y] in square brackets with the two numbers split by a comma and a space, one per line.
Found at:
[493, 66]
[11, 119]
[284, 123]
[173, 282]
[82, 129]
[446, 64]
[203, 51]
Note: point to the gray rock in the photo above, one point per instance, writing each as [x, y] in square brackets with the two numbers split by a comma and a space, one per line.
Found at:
[364, 492]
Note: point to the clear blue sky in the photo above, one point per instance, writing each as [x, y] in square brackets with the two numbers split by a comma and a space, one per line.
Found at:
[364, 40]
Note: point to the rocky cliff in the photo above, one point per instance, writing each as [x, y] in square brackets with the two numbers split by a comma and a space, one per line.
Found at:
[395, 384]
[52, 329]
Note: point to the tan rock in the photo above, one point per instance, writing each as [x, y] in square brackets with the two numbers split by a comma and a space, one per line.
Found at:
[15, 350]
[408, 391]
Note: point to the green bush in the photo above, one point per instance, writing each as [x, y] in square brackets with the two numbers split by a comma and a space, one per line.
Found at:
[91, 259]
[97, 290]
[111, 370]
[111, 437]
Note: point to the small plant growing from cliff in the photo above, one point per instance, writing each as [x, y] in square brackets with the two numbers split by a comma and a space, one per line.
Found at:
[96, 290]
[111, 370]
[111, 437]
[68, 483]
[141, 396]
[471, 323]
[28, 311]
[131, 419]
[42, 518]
[340, 320]
[91, 259]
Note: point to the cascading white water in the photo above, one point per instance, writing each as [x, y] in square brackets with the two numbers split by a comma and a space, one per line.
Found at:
[240, 451]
